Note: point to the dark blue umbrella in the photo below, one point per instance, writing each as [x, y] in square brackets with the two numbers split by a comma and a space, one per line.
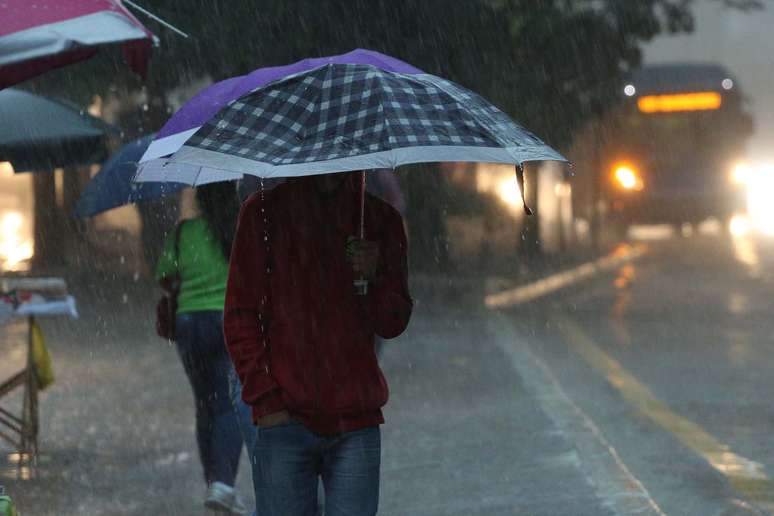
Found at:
[113, 186]
[40, 133]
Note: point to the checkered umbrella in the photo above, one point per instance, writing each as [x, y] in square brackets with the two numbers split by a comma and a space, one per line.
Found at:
[338, 114]
[357, 111]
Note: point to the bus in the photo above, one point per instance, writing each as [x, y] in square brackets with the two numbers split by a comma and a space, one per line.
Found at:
[666, 152]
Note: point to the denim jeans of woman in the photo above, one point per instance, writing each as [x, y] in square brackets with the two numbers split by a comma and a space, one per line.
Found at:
[289, 459]
[207, 364]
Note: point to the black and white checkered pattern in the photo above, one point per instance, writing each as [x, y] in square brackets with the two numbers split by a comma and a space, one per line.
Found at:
[340, 111]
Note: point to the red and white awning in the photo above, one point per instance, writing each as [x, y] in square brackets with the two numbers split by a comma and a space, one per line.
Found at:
[40, 35]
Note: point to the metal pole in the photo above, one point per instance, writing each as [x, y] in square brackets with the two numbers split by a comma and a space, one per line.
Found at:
[29, 438]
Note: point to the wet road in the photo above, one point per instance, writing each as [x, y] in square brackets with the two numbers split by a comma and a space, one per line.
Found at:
[646, 388]
[672, 358]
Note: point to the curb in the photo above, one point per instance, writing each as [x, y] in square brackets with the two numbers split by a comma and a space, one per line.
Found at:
[554, 282]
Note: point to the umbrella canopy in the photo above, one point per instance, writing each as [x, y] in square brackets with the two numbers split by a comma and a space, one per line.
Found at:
[45, 34]
[194, 113]
[357, 111]
[39, 133]
[112, 186]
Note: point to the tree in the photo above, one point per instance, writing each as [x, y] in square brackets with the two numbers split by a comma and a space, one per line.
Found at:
[551, 64]
[546, 62]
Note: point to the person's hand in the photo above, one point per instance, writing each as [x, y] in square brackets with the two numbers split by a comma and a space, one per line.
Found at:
[277, 418]
[363, 256]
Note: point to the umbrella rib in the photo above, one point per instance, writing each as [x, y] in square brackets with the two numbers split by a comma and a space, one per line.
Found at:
[387, 126]
[156, 18]
[198, 175]
[492, 135]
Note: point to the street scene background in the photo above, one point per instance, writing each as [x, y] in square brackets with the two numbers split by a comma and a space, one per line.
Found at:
[586, 360]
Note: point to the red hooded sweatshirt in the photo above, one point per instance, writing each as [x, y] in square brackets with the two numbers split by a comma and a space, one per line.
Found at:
[300, 338]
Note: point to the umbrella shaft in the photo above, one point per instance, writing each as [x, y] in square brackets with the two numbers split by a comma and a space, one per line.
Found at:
[362, 203]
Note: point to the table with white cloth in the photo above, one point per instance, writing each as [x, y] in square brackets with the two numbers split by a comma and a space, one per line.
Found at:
[29, 298]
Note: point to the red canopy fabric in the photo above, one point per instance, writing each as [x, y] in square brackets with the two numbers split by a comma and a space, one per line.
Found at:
[45, 34]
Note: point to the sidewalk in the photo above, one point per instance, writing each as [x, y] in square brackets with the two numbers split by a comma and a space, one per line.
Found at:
[117, 426]
[463, 436]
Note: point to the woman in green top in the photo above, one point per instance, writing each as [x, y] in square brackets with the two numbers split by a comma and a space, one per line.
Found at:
[202, 267]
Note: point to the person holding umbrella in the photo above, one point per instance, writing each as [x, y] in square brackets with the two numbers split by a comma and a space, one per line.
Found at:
[302, 339]
[300, 336]
[196, 257]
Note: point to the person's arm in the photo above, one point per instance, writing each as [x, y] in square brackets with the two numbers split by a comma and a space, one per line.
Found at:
[388, 302]
[245, 318]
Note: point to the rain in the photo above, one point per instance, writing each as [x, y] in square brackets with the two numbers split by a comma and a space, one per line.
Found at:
[407, 257]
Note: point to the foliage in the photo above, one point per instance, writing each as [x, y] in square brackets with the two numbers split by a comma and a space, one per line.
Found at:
[549, 63]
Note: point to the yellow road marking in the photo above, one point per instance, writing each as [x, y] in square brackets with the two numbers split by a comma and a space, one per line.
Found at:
[746, 476]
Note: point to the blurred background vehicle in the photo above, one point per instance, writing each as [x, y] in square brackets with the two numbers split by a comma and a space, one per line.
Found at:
[667, 152]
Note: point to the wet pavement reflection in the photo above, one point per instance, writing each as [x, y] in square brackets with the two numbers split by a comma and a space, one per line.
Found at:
[677, 366]
[663, 352]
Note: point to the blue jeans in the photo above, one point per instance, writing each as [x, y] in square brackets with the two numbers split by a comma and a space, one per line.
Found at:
[288, 459]
[207, 364]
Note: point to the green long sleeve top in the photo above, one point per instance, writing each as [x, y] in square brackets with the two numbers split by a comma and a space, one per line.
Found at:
[201, 265]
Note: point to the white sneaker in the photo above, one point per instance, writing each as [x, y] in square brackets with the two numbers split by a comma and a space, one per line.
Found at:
[223, 498]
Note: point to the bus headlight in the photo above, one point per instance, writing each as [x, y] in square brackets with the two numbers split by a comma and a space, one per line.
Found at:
[741, 174]
[627, 177]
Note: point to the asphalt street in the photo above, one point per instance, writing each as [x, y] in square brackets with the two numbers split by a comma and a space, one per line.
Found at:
[464, 435]
[643, 388]
[671, 357]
